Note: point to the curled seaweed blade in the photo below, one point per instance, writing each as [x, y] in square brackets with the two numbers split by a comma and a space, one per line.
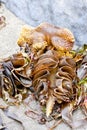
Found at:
[23, 80]
[7, 71]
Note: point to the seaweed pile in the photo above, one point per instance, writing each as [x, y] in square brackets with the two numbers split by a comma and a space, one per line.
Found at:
[47, 67]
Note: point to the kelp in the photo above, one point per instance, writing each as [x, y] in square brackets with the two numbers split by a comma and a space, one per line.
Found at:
[82, 74]
[14, 82]
[56, 78]
[57, 82]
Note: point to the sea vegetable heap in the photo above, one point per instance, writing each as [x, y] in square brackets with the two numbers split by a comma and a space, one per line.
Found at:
[47, 67]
